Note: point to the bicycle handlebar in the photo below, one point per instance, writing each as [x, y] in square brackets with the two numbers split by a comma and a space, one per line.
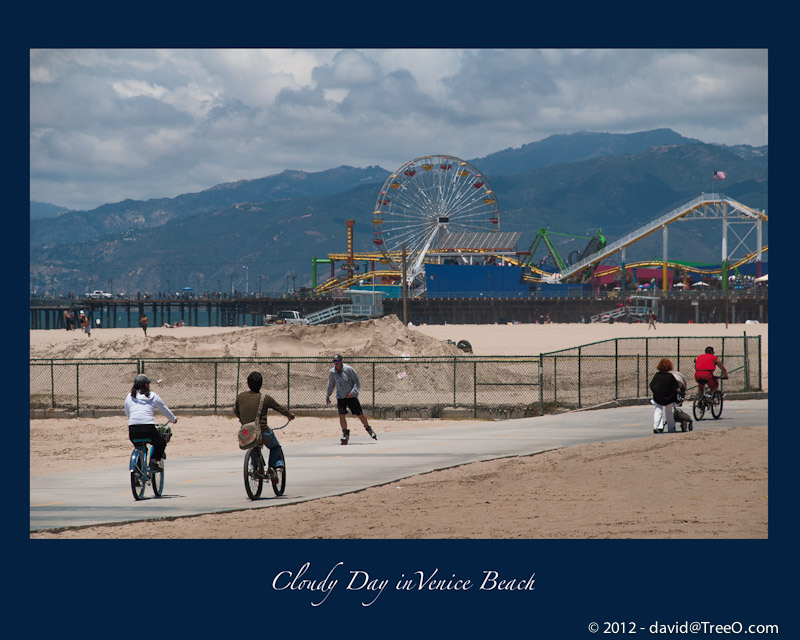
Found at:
[283, 426]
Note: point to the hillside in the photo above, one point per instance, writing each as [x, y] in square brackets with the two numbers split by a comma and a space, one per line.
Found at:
[276, 225]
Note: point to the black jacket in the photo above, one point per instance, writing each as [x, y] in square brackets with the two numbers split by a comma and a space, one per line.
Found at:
[664, 387]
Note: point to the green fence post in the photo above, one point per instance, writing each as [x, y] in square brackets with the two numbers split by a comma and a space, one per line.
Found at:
[454, 382]
[746, 364]
[238, 368]
[52, 387]
[288, 385]
[373, 386]
[679, 354]
[541, 386]
[638, 378]
[759, 363]
[616, 368]
[474, 389]
[77, 390]
[579, 377]
[555, 380]
[216, 379]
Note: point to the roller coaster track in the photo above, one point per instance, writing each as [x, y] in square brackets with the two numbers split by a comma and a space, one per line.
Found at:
[345, 283]
[697, 208]
[608, 270]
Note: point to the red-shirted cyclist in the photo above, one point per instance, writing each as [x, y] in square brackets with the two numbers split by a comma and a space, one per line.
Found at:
[704, 367]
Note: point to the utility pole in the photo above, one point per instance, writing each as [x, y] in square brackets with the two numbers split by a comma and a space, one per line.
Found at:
[405, 289]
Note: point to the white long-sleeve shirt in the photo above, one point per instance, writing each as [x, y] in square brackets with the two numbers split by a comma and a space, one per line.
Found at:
[140, 410]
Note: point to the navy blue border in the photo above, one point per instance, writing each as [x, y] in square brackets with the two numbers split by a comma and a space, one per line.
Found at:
[204, 588]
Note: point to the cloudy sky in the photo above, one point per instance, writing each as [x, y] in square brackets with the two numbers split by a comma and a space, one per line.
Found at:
[106, 125]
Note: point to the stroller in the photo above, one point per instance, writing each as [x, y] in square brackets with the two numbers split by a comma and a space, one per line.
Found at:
[682, 419]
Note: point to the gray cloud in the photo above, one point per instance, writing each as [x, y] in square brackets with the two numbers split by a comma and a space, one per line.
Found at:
[113, 124]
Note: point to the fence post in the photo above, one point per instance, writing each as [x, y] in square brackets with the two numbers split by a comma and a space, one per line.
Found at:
[238, 371]
[638, 379]
[288, 385]
[541, 386]
[216, 378]
[474, 389]
[373, 386]
[454, 382]
[555, 380]
[679, 354]
[616, 368]
[746, 365]
[77, 390]
[759, 362]
[580, 360]
[52, 387]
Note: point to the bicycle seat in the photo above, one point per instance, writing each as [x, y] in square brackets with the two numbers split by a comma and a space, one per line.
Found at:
[142, 441]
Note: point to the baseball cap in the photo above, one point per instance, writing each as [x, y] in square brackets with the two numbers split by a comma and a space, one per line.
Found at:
[337, 358]
[140, 380]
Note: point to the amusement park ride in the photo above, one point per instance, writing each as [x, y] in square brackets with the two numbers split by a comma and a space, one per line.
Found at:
[440, 209]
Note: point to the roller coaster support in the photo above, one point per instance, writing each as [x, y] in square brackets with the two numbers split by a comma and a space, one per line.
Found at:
[314, 263]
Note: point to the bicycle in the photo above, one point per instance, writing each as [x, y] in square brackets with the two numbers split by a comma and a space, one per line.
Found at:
[706, 400]
[141, 473]
[256, 471]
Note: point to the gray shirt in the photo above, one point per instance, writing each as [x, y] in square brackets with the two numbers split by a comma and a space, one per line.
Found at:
[346, 381]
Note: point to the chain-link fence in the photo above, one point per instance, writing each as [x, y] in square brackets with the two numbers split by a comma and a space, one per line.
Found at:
[622, 368]
[582, 376]
[299, 383]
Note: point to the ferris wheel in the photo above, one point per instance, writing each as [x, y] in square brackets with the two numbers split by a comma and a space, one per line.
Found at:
[426, 197]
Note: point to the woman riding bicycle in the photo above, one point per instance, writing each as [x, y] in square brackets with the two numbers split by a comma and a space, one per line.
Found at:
[140, 406]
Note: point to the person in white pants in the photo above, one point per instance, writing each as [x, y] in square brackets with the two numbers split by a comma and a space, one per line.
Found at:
[665, 395]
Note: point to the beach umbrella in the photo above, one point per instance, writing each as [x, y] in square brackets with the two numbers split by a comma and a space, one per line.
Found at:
[679, 284]
[700, 283]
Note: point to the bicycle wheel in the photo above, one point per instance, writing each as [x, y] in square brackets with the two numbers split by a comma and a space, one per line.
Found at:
[279, 479]
[157, 479]
[138, 483]
[716, 404]
[253, 472]
[699, 408]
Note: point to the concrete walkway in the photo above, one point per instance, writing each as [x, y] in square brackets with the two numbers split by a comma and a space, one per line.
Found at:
[214, 484]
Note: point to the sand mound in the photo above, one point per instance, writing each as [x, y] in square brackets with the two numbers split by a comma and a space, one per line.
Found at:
[386, 336]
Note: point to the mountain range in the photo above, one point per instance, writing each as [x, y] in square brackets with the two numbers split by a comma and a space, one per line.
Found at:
[571, 184]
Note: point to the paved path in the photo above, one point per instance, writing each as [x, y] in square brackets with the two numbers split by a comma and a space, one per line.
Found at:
[214, 484]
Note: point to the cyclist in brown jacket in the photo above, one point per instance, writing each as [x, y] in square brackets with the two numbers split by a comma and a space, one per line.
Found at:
[245, 409]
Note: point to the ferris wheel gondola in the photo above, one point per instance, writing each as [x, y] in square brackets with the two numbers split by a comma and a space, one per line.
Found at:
[426, 197]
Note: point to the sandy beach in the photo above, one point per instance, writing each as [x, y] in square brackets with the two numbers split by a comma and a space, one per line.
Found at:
[542, 496]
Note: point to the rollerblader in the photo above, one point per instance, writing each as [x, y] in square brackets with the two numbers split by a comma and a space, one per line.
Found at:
[345, 380]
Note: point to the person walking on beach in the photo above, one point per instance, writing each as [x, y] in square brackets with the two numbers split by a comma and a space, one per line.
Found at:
[345, 380]
[652, 318]
[246, 407]
[140, 407]
[85, 324]
[143, 322]
[665, 394]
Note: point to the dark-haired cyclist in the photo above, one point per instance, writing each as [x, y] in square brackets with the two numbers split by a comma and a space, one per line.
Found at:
[704, 367]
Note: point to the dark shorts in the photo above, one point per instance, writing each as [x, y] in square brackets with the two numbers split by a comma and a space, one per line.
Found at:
[352, 403]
